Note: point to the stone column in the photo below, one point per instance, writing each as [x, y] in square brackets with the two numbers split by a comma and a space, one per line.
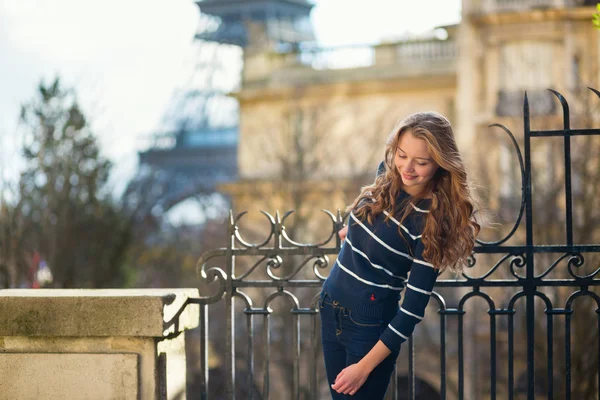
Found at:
[468, 86]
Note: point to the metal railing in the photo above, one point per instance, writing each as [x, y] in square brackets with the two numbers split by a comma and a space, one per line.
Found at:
[229, 284]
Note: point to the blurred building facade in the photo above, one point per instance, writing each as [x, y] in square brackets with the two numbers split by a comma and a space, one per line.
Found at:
[291, 111]
[344, 101]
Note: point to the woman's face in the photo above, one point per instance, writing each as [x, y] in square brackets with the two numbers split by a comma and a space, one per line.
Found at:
[414, 163]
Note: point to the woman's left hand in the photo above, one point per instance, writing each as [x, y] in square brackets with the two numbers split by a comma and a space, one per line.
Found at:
[350, 379]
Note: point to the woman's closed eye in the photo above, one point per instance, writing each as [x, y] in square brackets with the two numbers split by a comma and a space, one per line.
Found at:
[418, 163]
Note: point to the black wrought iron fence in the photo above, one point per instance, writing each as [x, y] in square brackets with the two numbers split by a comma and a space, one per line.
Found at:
[528, 283]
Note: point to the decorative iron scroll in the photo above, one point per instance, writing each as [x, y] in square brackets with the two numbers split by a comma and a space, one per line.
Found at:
[278, 246]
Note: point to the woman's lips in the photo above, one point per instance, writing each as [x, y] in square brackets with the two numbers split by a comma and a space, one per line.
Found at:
[408, 177]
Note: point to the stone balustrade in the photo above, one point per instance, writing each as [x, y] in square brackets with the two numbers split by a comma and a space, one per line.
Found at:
[494, 6]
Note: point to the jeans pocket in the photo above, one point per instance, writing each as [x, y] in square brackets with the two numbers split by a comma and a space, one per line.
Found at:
[362, 320]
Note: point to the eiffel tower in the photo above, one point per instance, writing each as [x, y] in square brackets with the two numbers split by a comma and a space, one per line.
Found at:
[195, 147]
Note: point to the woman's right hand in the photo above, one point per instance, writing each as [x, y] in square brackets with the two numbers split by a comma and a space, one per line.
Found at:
[343, 232]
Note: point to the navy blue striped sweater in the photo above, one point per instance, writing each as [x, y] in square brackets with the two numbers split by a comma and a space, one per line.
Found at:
[376, 263]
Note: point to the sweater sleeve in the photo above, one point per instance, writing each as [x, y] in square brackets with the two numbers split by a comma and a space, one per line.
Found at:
[420, 284]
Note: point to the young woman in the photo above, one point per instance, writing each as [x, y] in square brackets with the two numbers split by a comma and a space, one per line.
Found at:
[417, 217]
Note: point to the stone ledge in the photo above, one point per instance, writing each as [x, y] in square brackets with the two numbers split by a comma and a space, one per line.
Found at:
[95, 312]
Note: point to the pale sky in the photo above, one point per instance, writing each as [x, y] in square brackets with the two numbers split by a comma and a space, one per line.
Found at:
[125, 57]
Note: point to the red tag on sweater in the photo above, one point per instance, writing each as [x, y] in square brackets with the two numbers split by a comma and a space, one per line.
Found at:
[373, 297]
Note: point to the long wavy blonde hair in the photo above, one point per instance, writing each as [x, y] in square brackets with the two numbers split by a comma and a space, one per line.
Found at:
[450, 226]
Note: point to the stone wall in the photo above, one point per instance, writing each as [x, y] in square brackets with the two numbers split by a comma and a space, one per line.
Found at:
[94, 344]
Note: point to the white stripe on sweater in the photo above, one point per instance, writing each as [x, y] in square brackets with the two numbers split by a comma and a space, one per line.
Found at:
[413, 237]
[416, 289]
[373, 264]
[366, 281]
[396, 332]
[418, 209]
[411, 314]
[423, 263]
[379, 240]
[413, 206]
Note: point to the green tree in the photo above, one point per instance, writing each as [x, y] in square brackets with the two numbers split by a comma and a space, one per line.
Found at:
[596, 17]
[63, 210]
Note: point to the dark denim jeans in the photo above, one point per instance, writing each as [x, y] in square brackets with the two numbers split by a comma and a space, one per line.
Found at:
[347, 338]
